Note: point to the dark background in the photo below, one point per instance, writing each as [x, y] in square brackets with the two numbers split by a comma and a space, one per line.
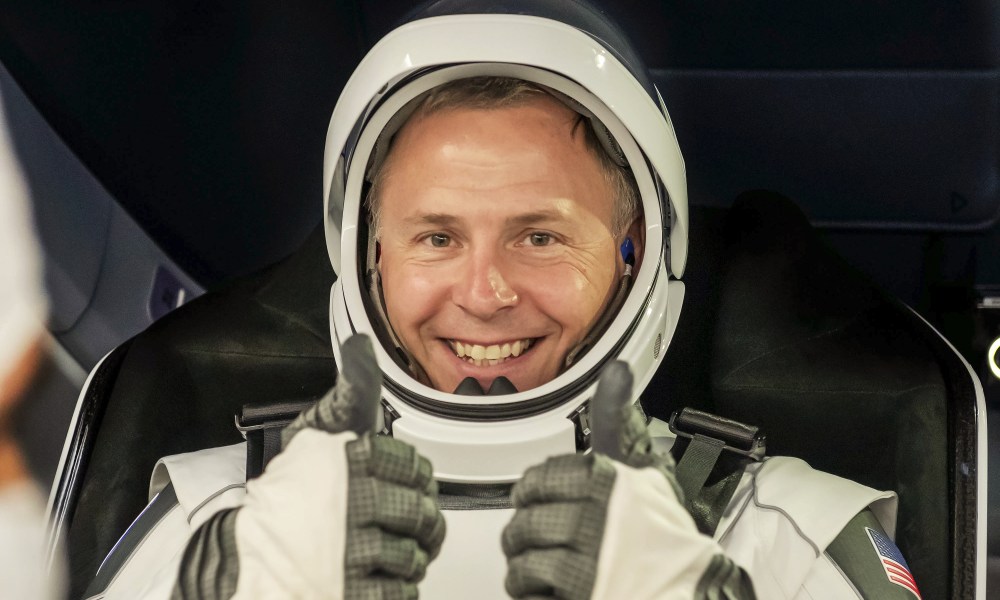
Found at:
[206, 121]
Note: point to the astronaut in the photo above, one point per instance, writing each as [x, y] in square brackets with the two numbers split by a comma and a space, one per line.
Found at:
[506, 212]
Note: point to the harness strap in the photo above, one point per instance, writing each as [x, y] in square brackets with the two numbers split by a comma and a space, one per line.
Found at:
[697, 463]
[261, 426]
[708, 478]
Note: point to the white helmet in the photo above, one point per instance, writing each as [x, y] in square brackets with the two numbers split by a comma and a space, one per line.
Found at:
[568, 47]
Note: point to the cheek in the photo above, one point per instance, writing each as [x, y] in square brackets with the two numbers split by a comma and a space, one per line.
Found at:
[570, 295]
[412, 295]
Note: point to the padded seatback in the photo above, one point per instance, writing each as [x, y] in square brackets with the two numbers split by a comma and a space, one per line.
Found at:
[844, 377]
[779, 332]
[179, 385]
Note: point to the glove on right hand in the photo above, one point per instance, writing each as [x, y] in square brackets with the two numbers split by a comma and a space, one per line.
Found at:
[339, 513]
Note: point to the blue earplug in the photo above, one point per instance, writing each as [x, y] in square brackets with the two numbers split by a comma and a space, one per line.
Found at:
[628, 252]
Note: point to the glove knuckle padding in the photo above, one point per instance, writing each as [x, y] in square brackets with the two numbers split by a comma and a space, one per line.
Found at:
[380, 588]
[391, 460]
[590, 528]
[545, 526]
[375, 552]
[559, 479]
[554, 539]
[541, 526]
[552, 573]
[392, 507]
[392, 487]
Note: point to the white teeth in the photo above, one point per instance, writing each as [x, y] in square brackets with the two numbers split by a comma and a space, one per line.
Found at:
[490, 355]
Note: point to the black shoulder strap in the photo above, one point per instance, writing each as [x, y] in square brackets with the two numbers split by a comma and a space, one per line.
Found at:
[261, 425]
[712, 453]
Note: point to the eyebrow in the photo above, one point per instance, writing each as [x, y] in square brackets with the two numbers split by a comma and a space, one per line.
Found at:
[439, 219]
[540, 216]
[446, 220]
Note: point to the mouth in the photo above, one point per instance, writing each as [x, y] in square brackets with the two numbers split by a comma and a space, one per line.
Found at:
[492, 355]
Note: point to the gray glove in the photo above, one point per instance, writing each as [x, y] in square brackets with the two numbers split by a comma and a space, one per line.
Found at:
[612, 524]
[339, 513]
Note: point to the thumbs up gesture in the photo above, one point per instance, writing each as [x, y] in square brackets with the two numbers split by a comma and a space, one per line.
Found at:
[611, 523]
[340, 512]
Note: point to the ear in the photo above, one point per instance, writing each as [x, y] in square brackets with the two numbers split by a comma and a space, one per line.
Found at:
[637, 231]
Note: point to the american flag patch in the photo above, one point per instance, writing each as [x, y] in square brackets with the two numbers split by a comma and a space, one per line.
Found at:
[893, 563]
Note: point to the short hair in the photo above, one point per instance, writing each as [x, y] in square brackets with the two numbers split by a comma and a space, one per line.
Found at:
[492, 92]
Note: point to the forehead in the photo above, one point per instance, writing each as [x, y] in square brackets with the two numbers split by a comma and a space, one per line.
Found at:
[528, 121]
[537, 147]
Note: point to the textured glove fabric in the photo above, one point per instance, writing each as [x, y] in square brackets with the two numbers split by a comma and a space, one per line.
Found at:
[340, 513]
[553, 541]
[353, 403]
[589, 527]
[394, 526]
[653, 549]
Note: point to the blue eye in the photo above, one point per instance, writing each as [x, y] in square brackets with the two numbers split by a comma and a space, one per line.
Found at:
[540, 239]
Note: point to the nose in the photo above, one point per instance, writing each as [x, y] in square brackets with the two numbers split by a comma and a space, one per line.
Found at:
[483, 290]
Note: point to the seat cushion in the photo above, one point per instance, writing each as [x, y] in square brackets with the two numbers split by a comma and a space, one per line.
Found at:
[834, 371]
[259, 339]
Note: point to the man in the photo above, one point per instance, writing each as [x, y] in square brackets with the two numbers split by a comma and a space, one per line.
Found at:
[525, 226]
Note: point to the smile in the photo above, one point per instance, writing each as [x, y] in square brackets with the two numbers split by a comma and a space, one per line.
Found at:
[492, 355]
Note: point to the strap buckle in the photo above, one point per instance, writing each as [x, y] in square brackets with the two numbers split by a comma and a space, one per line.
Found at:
[734, 436]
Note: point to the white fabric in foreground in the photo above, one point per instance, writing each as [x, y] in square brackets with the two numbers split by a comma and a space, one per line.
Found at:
[22, 300]
[290, 533]
[22, 546]
[651, 547]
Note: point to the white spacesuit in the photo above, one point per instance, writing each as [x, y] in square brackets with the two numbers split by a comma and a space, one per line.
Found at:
[259, 538]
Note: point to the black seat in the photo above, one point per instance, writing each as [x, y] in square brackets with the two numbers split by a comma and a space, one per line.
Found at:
[177, 386]
[852, 381]
[776, 331]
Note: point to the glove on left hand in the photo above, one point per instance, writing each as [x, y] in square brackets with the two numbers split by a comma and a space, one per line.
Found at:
[587, 526]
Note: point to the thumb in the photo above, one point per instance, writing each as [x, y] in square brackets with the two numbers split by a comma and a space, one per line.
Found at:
[608, 411]
[353, 404]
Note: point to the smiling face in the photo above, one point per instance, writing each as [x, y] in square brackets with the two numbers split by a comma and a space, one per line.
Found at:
[497, 246]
